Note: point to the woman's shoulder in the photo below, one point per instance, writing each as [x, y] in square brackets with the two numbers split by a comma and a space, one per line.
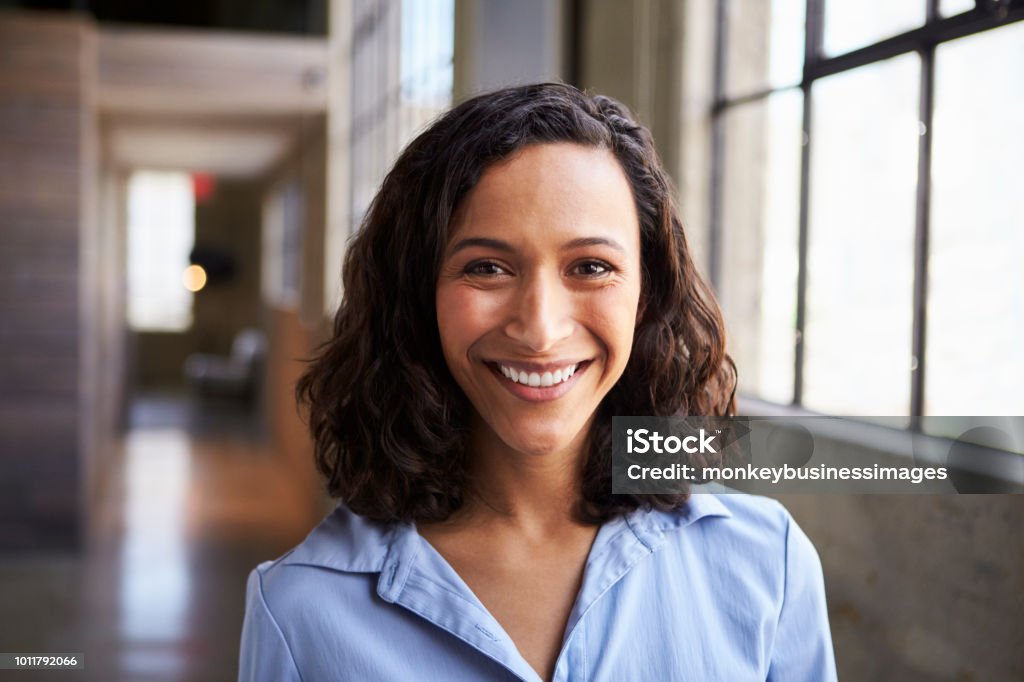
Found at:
[314, 597]
[725, 511]
[746, 532]
[342, 544]
[744, 565]
[745, 511]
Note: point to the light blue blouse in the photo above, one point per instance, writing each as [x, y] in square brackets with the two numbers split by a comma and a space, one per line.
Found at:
[726, 588]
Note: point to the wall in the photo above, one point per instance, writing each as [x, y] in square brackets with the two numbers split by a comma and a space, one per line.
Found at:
[291, 342]
[338, 149]
[501, 43]
[657, 57]
[47, 287]
[693, 119]
[108, 356]
[631, 51]
[295, 326]
[921, 587]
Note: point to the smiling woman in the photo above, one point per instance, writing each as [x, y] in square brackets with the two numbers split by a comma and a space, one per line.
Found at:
[521, 277]
[542, 278]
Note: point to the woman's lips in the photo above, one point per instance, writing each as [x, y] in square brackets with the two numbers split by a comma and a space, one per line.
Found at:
[533, 390]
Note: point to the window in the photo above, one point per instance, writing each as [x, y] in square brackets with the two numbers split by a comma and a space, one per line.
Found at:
[283, 221]
[161, 232]
[401, 79]
[975, 314]
[866, 230]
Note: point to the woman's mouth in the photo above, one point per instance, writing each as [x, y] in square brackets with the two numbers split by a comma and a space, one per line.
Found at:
[538, 384]
[545, 378]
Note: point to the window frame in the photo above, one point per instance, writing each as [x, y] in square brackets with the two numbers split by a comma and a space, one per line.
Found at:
[986, 15]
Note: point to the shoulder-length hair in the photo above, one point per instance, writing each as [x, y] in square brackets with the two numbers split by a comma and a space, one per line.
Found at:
[388, 420]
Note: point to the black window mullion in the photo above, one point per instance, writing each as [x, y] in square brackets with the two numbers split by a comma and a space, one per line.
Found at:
[801, 273]
[932, 32]
[814, 35]
[813, 32]
[717, 147]
[921, 231]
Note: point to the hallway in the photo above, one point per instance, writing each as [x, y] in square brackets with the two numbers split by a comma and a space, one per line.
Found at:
[194, 502]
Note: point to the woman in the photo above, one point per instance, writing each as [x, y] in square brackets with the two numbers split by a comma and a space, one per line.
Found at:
[522, 276]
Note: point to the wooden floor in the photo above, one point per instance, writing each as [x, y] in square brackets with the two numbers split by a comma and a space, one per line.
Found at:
[194, 503]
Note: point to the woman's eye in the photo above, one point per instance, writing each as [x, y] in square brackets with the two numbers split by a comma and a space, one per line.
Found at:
[593, 268]
[485, 268]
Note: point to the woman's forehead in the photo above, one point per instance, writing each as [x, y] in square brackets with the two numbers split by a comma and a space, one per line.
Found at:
[555, 192]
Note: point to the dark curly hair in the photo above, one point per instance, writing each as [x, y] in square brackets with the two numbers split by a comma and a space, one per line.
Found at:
[388, 420]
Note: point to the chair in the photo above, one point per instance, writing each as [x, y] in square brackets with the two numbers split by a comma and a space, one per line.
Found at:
[236, 376]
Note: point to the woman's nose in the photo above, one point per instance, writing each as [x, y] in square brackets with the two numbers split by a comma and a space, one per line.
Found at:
[541, 314]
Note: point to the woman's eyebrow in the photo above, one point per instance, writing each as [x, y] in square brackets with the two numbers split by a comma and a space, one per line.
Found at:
[593, 241]
[479, 241]
[500, 245]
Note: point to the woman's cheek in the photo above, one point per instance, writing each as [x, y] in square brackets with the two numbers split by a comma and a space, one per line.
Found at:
[485, 307]
[466, 314]
[614, 322]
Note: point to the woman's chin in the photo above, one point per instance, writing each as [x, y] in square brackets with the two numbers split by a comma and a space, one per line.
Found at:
[540, 443]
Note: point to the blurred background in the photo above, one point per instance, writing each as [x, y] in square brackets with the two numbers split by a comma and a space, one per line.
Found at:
[178, 182]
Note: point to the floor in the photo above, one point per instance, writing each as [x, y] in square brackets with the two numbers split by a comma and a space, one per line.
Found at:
[195, 500]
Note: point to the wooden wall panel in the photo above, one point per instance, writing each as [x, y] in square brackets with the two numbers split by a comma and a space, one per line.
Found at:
[45, 171]
[290, 344]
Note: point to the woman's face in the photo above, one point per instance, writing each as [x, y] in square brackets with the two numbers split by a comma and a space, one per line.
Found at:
[538, 293]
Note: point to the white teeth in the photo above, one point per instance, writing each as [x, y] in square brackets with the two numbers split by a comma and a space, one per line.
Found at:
[544, 379]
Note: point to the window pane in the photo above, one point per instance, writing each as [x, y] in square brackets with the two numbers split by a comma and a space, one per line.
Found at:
[975, 279]
[760, 219]
[851, 24]
[859, 320]
[161, 232]
[948, 8]
[765, 39]
[427, 44]
[402, 74]
[281, 270]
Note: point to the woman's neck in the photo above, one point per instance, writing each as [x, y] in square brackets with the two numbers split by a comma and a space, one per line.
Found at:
[528, 492]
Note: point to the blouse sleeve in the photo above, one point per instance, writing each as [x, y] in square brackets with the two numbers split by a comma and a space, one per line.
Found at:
[803, 640]
[264, 653]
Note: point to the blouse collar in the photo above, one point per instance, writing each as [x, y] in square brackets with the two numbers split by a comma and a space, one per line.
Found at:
[350, 543]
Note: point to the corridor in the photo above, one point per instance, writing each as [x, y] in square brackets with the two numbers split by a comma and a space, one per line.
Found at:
[175, 177]
[194, 502]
